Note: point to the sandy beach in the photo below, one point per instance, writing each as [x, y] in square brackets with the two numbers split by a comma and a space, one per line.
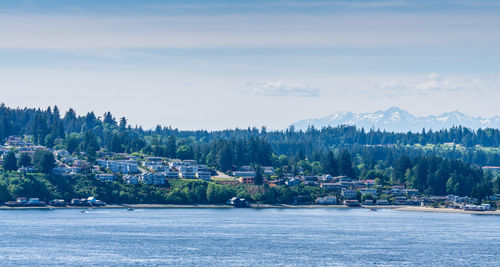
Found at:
[262, 206]
[447, 210]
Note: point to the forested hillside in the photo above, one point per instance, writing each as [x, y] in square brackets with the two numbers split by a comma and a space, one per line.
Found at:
[437, 162]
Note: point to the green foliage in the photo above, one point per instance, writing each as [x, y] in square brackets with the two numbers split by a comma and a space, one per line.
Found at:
[24, 160]
[10, 161]
[44, 161]
[185, 152]
[219, 193]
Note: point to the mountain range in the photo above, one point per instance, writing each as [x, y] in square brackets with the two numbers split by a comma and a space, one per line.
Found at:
[397, 120]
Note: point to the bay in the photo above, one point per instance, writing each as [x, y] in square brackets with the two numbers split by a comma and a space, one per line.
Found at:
[247, 237]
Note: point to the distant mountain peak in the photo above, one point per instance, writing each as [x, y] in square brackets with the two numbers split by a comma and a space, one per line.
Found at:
[399, 120]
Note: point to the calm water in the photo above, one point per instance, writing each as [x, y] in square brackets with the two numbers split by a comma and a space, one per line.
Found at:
[228, 237]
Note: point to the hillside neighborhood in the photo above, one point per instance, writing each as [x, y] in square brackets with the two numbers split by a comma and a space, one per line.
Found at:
[132, 169]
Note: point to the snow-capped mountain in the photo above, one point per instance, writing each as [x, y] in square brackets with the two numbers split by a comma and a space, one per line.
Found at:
[398, 120]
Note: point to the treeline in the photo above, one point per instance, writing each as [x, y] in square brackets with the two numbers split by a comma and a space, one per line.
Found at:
[48, 125]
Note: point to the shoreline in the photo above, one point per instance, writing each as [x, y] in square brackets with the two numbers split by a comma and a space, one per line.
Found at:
[258, 206]
[447, 210]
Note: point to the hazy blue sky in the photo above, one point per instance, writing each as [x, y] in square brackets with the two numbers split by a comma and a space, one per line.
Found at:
[226, 64]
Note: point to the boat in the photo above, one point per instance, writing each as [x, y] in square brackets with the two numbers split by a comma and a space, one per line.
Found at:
[373, 209]
[130, 209]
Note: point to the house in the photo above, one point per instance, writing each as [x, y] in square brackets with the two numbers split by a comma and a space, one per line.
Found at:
[328, 200]
[154, 159]
[171, 175]
[92, 201]
[276, 182]
[61, 153]
[152, 178]
[369, 183]
[368, 191]
[34, 201]
[247, 174]
[400, 200]
[368, 202]
[310, 178]
[382, 202]
[268, 170]
[238, 202]
[21, 200]
[351, 203]
[327, 178]
[187, 172]
[189, 162]
[397, 190]
[76, 170]
[247, 180]
[342, 178]
[310, 183]
[121, 166]
[331, 186]
[349, 193]
[246, 168]
[204, 175]
[131, 179]
[105, 177]
[293, 182]
[61, 170]
[411, 192]
[175, 164]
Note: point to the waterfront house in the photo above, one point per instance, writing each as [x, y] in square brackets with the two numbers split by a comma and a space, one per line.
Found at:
[400, 200]
[382, 202]
[351, 202]
[349, 193]
[327, 200]
[368, 191]
[368, 202]
[411, 192]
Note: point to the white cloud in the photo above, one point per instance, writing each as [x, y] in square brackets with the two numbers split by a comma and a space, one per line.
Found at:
[433, 83]
[280, 88]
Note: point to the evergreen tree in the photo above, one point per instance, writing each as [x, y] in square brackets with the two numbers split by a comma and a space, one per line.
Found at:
[345, 164]
[329, 164]
[259, 175]
[171, 147]
[123, 123]
[10, 162]
[44, 161]
[24, 160]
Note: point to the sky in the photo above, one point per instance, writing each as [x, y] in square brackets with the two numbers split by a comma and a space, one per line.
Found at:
[226, 64]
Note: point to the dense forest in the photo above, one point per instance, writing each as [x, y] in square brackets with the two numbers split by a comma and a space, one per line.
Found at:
[439, 162]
